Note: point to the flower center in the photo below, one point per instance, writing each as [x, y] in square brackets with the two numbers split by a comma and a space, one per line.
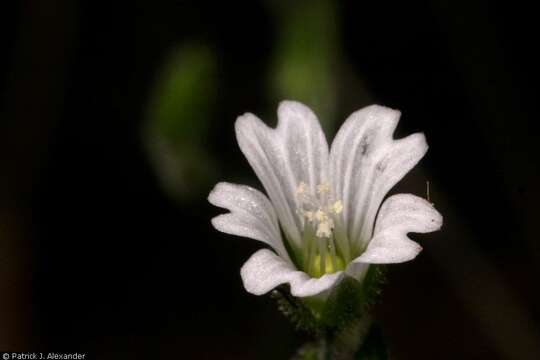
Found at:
[327, 268]
[320, 218]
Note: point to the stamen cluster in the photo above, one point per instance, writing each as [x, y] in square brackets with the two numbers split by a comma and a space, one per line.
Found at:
[319, 215]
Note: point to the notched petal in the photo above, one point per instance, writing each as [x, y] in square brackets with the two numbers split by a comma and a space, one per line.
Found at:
[400, 214]
[304, 143]
[251, 215]
[296, 151]
[367, 162]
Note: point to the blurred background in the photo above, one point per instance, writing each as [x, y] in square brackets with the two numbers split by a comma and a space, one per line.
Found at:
[116, 119]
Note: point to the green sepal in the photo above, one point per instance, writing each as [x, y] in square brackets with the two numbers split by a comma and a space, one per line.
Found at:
[296, 311]
[339, 321]
[349, 301]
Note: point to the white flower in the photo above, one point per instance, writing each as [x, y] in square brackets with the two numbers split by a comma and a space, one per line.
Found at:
[327, 203]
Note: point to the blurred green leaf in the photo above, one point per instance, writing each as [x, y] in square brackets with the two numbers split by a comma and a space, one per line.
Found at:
[178, 118]
[307, 55]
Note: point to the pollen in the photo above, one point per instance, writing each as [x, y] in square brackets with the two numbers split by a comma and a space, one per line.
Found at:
[337, 207]
[301, 189]
[323, 188]
[319, 210]
[321, 215]
[324, 229]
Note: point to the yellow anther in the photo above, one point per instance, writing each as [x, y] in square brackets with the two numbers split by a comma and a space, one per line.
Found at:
[337, 207]
[320, 215]
[323, 188]
[325, 228]
[318, 211]
[301, 189]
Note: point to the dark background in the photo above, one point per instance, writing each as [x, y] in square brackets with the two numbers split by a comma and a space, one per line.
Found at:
[99, 254]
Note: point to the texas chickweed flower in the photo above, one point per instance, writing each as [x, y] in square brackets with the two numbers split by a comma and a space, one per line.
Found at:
[323, 219]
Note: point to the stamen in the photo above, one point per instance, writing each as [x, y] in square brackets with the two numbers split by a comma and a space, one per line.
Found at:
[324, 229]
[322, 251]
[319, 215]
[310, 246]
[341, 241]
[332, 247]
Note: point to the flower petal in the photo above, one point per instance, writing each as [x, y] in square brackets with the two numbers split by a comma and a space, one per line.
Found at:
[264, 270]
[251, 215]
[296, 151]
[399, 215]
[304, 143]
[357, 270]
[367, 162]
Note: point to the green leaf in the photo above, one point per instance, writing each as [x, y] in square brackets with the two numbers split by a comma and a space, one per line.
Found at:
[178, 116]
[306, 62]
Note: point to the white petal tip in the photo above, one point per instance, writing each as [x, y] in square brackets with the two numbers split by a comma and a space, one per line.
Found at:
[219, 223]
[405, 251]
[382, 111]
[212, 195]
[293, 110]
[291, 105]
[243, 120]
